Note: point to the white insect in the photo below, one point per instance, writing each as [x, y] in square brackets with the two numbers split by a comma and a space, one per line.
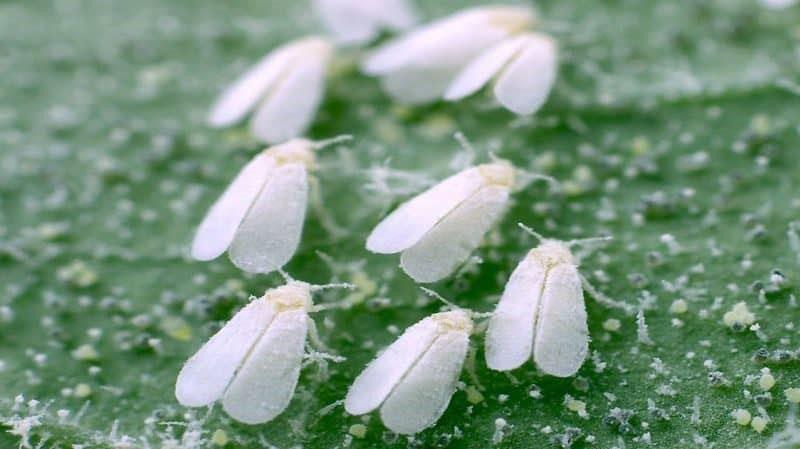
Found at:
[413, 380]
[522, 68]
[259, 218]
[361, 21]
[437, 230]
[252, 364]
[542, 313]
[285, 87]
[419, 66]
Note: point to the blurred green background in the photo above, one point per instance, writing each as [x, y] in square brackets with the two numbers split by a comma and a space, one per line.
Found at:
[679, 118]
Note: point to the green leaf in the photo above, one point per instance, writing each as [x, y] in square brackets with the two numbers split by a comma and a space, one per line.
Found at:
[669, 118]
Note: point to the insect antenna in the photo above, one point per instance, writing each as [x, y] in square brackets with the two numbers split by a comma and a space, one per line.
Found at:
[604, 300]
[286, 276]
[320, 144]
[530, 231]
[526, 177]
[465, 144]
[452, 305]
[435, 295]
[344, 285]
[342, 304]
[588, 240]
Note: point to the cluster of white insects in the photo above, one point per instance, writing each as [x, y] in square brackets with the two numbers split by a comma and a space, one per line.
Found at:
[253, 363]
[449, 59]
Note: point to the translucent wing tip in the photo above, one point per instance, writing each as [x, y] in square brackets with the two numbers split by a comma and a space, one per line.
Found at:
[388, 238]
[565, 370]
[422, 277]
[355, 403]
[499, 360]
[246, 415]
[255, 265]
[500, 364]
[219, 118]
[204, 249]
[191, 393]
[379, 244]
[400, 428]
[374, 63]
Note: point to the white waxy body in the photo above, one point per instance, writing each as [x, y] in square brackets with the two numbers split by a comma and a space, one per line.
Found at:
[523, 69]
[437, 230]
[286, 87]
[419, 66]
[541, 315]
[259, 218]
[413, 380]
[360, 21]
[252, 364]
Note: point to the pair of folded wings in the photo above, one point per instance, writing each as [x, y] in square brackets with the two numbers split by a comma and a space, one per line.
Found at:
[540, 315]
[289, 85]
[413, 380]
[437, 230]
[252, 364]
[259, 217]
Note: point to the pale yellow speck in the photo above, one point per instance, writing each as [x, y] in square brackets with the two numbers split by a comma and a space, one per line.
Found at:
[49, 231]
[640, 145]
[759, 424]
[741, 416]
[219, 438]
[583, 174]
[792, 395]
[365, 287]
[438, 126]
[545, 161]
[739, 313]
[473, 395]
[358, 430]
[176, 328]
[575, 405]
[571, 188]
[388, 130]
[581, 181]
[77, 273]
[239, 136]
[678, 307]
[612, 324]
[760, 124]
[85, 352]
[402, 112]
[82, 391]
[235, 285]
[766, 382]
[342, 65]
